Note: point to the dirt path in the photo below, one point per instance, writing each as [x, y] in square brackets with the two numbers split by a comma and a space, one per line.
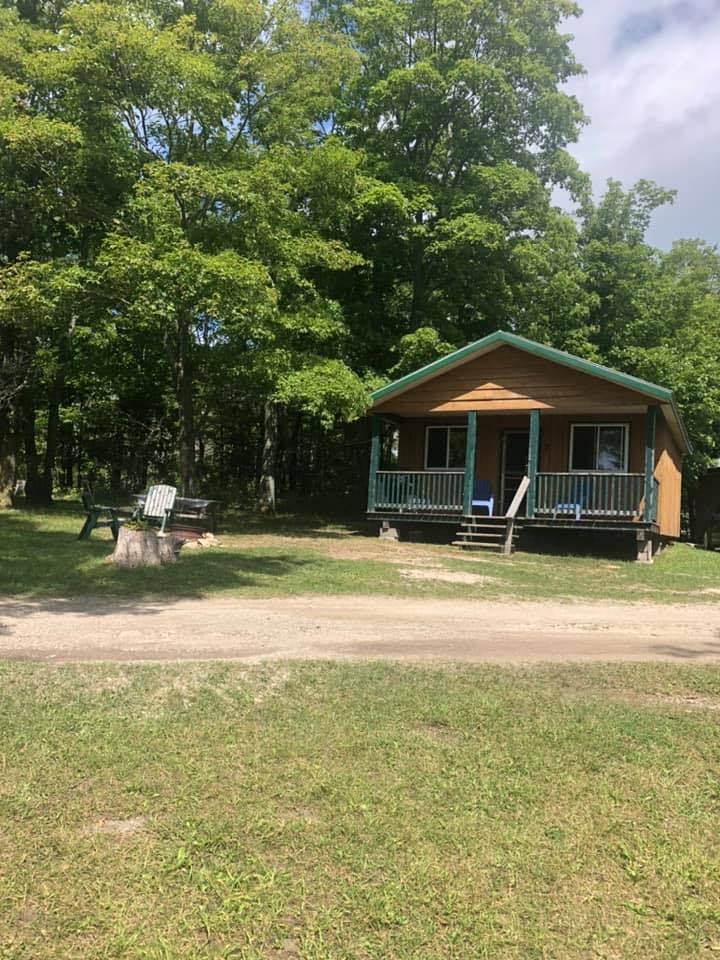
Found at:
[342, 627]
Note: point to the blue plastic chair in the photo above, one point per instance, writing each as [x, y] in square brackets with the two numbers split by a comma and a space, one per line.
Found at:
[579, 496]
[482, 496]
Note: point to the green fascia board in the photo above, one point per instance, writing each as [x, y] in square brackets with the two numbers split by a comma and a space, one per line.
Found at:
[537, 349]
[681, 426]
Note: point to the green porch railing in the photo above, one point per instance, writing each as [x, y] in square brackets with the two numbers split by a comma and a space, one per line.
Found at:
[419, 491]
[592, 495]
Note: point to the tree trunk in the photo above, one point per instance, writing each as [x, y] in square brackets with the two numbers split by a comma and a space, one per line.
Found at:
[266, 488]
[419, 288]
[292, 452]
[53, 426]
[689, 494]
[186, 410]
[143, 548]
[27, 413]
[7, 458]
[38, 489]
[53, 423]
[10, 383]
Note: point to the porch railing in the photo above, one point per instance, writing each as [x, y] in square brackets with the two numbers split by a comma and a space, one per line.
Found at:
[419, 491]
[562, 495]
[591, 495]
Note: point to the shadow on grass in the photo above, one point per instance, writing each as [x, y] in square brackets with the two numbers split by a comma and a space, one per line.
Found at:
[296, 525]
[39, 561]
[234, 522]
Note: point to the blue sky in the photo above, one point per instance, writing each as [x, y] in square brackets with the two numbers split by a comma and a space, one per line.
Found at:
[652, 92]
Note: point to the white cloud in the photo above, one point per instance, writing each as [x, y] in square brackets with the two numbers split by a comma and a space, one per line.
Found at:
[653, 96]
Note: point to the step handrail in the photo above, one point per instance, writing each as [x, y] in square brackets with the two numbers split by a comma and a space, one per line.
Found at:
[512, 510]
[518, 498]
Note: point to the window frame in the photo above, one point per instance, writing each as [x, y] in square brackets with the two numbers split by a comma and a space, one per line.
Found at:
[598, 424]
[448, 427]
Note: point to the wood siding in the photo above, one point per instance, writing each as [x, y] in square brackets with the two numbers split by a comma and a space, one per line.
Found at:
[554, 441]
[507, 380]
[668, 473]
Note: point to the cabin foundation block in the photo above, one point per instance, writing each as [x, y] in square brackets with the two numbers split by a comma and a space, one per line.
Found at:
[645, 546]
[387, 532]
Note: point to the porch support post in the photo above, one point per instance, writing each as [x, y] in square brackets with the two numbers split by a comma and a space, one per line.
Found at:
[650, 423]
[374, 462]
[470, 447]
[533, 457]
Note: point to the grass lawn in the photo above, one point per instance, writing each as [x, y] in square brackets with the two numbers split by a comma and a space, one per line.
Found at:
[335, 812]
[40, 556]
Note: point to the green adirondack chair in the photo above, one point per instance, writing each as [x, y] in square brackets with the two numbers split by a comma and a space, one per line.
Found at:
[98, 515]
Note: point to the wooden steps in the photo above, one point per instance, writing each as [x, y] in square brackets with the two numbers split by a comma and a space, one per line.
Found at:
[483, 533]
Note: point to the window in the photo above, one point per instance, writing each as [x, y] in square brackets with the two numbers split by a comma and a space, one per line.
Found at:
[599, 447]
[445, 448]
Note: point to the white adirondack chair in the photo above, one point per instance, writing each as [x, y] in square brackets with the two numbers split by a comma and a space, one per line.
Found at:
[159, 504]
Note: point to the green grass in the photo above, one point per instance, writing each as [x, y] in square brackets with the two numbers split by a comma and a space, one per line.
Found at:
[335, 812]
[41, 557]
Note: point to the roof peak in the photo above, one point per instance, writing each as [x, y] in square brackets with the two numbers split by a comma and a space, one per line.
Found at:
[553, 354]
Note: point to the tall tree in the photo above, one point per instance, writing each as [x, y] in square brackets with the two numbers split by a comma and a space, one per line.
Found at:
[60, 182]
[218, 107]
[460, 110]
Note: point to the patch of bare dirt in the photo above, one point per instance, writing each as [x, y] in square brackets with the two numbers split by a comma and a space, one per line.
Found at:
[432, 564]
[119, 828]
[439, 732]
[112, 684]
[439, 575]
[297, 814]
[274, 684]
[348, 546]
[29, 914]
[288, 949]
[688, 701]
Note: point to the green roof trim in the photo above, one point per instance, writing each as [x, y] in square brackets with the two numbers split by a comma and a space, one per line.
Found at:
[529, 346]
[502, 337]
[681, 426]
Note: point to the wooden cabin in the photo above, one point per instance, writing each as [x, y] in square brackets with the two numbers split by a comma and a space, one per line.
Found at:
[533, 435]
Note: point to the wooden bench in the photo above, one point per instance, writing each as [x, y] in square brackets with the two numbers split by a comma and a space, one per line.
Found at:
[194, 514]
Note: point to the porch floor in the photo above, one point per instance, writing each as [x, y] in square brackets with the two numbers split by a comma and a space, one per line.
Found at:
[610, 524]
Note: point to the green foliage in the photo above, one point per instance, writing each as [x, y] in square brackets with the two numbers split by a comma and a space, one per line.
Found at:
[656, 314]
[215, 205]
[418, 349]
[453, 112]
[326, 390]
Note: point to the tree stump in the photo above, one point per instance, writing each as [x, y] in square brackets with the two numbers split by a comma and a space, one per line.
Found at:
[143, 548]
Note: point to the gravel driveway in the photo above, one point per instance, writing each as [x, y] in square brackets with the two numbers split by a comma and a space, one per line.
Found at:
[364, 627]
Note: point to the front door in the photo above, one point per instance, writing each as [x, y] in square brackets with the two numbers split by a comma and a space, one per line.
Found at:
[514, 462]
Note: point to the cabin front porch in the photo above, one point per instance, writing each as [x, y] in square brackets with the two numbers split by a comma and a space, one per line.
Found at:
[502, 452]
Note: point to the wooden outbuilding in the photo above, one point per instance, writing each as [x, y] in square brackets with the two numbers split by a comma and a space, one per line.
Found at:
[533, 435]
